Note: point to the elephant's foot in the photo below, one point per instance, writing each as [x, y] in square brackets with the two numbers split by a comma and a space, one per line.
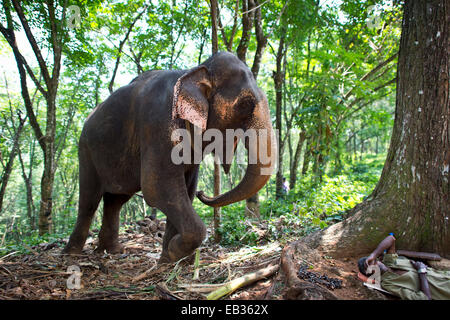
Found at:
[72, 250]
[164, 258]
[111, 248]
[181, 246]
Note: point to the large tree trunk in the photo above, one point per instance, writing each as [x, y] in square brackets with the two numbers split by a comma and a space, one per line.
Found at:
[412, 198]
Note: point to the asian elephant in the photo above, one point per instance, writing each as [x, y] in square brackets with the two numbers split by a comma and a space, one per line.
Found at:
[126, 142]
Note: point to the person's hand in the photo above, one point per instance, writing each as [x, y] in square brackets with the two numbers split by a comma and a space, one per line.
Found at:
[418, 265]
[371, 259]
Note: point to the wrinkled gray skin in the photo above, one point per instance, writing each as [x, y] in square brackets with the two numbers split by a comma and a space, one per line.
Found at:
[125, 146]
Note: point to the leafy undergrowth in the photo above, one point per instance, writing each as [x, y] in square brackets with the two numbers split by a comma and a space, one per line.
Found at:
[309, 208]
[45, 273]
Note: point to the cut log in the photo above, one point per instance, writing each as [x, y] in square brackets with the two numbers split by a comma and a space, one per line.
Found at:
[247, 279]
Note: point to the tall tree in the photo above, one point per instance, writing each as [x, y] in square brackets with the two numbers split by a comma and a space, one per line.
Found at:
[217, 177]
[15, 132]
[412, 197]
[50, 75]
[278, 79]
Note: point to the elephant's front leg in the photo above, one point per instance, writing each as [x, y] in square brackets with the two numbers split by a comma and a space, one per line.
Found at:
[185, 230]
[169, 233]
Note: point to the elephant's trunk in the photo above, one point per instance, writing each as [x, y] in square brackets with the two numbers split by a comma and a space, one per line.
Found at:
[257, 174]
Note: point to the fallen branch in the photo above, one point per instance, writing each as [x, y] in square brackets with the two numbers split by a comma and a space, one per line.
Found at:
[165, 293]
[247, 279]
[9, 254]
[200, 287]
[150, 272]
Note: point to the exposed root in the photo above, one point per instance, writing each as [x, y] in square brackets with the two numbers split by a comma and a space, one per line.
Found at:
[298, 289]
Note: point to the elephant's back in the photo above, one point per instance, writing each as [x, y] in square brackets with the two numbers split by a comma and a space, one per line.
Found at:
[108, 120]
[109, 142]
[112, 133]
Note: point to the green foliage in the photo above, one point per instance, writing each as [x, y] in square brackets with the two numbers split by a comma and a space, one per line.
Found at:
[347, 118]
[26, 243]
[310, 206]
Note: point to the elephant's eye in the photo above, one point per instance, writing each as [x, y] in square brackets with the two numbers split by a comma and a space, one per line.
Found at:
[246, 105]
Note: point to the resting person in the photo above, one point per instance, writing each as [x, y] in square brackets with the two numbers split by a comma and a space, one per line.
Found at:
[404, 278]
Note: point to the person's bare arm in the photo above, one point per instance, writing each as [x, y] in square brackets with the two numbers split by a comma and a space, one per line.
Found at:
[421, 269]
[387, 244]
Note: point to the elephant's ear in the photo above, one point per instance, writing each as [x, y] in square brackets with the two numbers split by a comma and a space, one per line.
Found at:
[190, 97]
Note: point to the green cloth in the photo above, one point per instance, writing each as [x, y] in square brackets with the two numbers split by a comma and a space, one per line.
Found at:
[407, 285]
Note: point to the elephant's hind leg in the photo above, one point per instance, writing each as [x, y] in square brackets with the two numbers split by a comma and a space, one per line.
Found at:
[109, 233]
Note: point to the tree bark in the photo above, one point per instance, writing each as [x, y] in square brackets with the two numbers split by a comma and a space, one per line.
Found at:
[261, 40]
[412, 197]
[247, 19]
[214, 39]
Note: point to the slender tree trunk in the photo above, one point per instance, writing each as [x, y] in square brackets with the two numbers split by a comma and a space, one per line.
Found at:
[278, 79]
[9, 164]
[51, 78]
[296, 160]
[248, 17]
[217, 176]
[214, 39]
[247, 20]
[306, 157]
[121, 44]
[98, 81]
[261, 40]
[412, 198]
[217, 211]
[337, 156]
[28, 181]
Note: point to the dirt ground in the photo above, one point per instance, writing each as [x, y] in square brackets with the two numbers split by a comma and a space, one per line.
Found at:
[47, 274]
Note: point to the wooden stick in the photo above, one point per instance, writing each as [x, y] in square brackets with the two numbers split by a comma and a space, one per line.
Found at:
[152, 271]
[419, 255]
[196, 264]
[200, 287]
[247, 279]
[165, 293]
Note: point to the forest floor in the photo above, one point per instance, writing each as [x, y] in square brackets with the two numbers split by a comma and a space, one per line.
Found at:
[47, 274]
